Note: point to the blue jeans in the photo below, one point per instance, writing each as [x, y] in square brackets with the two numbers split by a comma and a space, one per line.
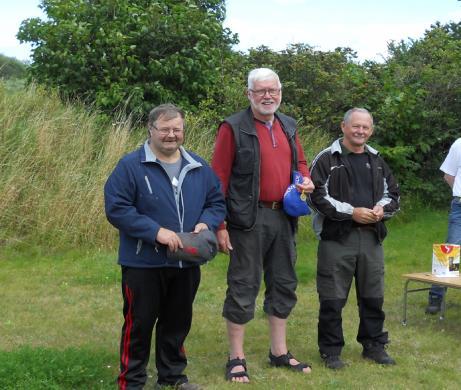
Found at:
[454, 237]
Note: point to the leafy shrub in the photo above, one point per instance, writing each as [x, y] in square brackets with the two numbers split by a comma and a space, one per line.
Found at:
[129, 53]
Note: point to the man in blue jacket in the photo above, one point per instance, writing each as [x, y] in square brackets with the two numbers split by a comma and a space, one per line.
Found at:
[153, 194]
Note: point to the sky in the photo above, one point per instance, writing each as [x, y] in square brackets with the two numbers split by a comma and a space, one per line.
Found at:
[364, 26]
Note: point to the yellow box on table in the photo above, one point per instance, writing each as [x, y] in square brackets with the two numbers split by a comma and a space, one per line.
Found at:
[445, 260]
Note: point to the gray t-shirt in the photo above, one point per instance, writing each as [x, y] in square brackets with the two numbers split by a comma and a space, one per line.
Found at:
[172, 169]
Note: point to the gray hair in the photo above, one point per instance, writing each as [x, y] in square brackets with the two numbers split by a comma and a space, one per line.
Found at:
[168, 110]
[262, 74]
[348, 114]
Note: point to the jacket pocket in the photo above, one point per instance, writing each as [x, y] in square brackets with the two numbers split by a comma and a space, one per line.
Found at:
[139, 247]
[244, 161]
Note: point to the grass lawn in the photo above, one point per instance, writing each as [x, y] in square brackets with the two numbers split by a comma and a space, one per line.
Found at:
[61, 319]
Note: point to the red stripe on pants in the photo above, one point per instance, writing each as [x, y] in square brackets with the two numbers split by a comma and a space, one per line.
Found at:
[126, 339]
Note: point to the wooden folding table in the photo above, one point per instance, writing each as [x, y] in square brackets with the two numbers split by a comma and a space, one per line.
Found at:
[428, 278]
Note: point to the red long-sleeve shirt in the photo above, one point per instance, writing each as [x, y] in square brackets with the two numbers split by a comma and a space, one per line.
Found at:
[275, 159]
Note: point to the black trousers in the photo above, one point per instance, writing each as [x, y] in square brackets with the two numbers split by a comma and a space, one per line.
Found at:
[357, 256]
[160, 297]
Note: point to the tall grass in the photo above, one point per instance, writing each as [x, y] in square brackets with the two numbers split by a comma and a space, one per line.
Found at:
[55, 158]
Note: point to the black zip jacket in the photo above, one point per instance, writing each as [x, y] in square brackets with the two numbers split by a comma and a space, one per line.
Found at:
[331, 199]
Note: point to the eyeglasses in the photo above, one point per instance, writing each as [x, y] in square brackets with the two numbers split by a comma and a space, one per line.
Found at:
[262, 92]
[167, 130]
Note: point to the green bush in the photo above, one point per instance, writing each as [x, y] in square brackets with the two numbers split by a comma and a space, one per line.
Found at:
[133, 54]
[419, 115]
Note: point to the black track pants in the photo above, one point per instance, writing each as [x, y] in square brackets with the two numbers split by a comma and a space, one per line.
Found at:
[161, 297]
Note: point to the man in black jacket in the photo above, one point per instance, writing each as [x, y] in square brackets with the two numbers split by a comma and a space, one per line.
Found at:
[354, 192]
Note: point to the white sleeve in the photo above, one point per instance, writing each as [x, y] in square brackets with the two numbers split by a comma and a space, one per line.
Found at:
[452, 162]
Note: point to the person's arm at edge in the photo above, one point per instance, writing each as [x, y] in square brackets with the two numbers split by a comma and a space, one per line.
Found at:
[449, 179]
[121, 212]
[221, 162]
[302, 162]
[307, 186]
[214, 208]
[320, 199]
[390, 201]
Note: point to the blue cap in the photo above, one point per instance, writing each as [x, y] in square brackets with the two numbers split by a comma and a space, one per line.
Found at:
[293, 205]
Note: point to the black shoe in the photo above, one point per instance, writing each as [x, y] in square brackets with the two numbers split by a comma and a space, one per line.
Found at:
[376, 351]
[181, 386]
[434, 306]
[333, 362]
[188, 386]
